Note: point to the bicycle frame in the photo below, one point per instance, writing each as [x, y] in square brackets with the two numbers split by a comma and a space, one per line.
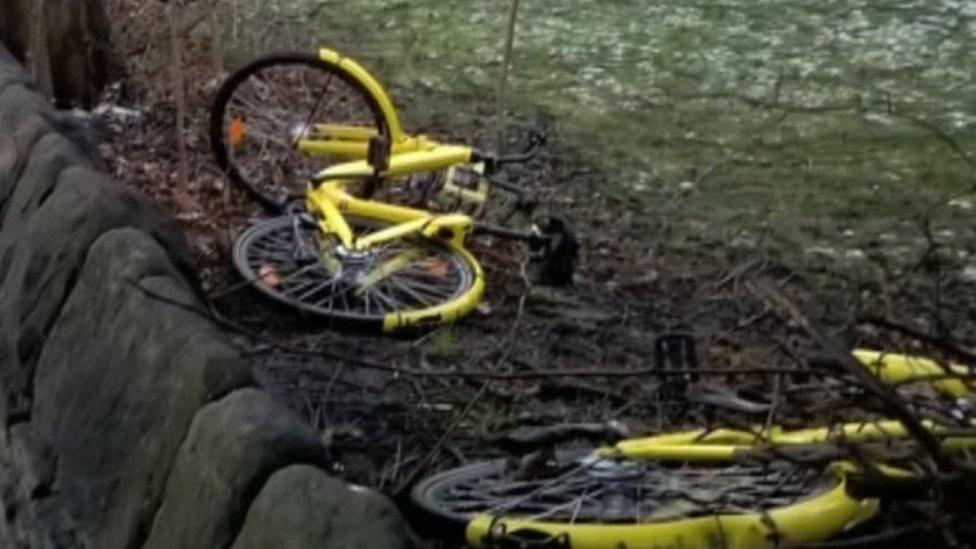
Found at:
[409, 153]
[383, 101]
[806, 521]
[330, 201]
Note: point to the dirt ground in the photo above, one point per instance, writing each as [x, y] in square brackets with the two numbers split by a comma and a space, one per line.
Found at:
[395, 409]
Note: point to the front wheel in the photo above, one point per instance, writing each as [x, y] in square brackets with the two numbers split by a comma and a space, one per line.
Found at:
[410, 282]
[586, 502]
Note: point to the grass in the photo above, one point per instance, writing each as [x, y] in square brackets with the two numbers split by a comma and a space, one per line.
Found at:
[816, 119]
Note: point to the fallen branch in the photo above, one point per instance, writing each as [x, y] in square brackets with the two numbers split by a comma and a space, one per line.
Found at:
[914, 333]
[356, 361]
[889, 398]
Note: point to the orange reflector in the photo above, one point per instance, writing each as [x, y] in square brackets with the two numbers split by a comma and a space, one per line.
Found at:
[235, 133]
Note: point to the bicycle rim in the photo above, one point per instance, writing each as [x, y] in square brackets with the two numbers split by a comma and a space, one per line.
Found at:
[283, 258]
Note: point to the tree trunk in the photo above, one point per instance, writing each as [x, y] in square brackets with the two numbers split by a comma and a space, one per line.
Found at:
[63, 43]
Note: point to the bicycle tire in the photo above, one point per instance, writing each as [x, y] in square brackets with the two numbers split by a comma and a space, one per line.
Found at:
[218, 124]
[835, 511]
[444, 262]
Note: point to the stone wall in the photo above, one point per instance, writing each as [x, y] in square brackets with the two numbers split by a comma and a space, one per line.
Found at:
[129, 419]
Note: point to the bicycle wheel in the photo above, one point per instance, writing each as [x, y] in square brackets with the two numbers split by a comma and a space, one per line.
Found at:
[264, 107]
[600, 503]
[433, 282]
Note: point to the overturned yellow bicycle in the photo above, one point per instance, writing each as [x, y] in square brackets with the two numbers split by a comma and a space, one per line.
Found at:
[320, 131]
[696, 488]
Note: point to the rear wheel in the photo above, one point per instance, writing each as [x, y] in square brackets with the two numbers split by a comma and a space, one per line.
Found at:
[288, 260]
[263, 108]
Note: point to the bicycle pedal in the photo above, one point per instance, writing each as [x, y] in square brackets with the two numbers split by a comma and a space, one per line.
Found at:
[556, 250]
[675, 351]
[672, 352]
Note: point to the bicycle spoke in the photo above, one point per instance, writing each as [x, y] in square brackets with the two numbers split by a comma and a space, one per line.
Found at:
[418, 285]
[274, 100]
[418, 298]
[316, 289]
[399, 276]
[310, 119]
[642, 492]
[388, 301]
[330, 297]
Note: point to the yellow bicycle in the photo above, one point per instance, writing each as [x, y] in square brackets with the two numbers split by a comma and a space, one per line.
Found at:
[695, 488]
[321, 130]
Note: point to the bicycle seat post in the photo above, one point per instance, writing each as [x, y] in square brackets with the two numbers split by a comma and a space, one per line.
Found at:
[378, 157]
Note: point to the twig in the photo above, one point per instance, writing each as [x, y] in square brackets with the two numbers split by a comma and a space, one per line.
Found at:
[777, 383]
[422, 464]
[543, 374]
[867, 540]
[506, 345]
[356, 361]
[941, 135]
[503, 78]
[915, 333]
[179, 99]
[887, 395]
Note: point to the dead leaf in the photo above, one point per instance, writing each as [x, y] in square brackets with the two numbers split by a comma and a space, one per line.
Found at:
[269, 276]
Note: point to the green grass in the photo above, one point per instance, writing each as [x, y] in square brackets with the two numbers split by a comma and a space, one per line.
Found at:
[799, 116]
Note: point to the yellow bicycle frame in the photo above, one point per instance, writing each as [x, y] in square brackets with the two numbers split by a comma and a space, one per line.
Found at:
[351, 142]
[361, 75]
[812, 520]
[895, 368]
